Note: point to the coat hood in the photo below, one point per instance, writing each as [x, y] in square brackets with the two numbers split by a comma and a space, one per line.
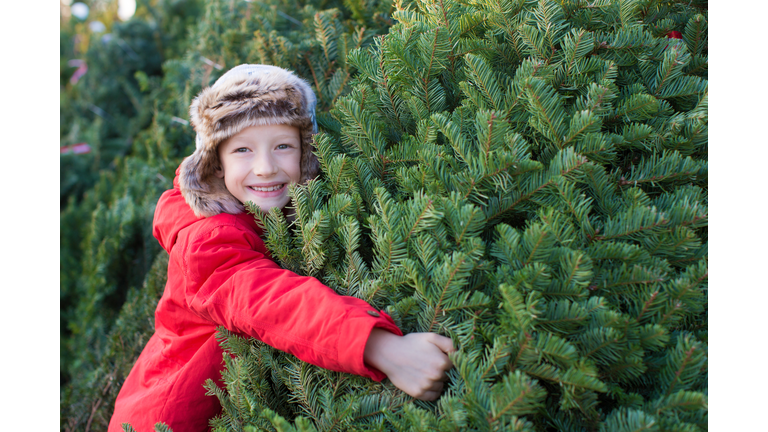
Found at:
[172, 215]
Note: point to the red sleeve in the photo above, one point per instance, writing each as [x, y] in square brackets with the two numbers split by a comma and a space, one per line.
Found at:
[231, 283]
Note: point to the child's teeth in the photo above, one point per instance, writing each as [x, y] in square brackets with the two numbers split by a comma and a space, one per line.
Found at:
[267, 189]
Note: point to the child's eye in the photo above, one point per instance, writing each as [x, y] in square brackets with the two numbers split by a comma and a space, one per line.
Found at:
[241, 150]
[283, 146]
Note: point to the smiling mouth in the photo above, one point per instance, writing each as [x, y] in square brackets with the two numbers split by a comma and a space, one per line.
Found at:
[267, 189]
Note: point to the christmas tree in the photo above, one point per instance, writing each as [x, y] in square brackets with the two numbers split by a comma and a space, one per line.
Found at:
[526, 177]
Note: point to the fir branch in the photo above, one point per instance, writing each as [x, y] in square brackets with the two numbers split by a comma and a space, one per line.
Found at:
[428, 71]
[314, 77]
[630, 284]
[639, 228]
[671, 311]
[655, 332]
[521, 349]
[615, 368]
[524, 197]
[390, 92]
[672, 71]
[528, 34]
[668, 166]
[445, 287]
[388, 266]
[573, 42]
[527, 168]
[341, 86]
[557, 350]
[629, 420]
[487, 146]
[446, 25]
[324, 34]
[467, 224]
[572, 275]
[629, 107]
[528, 390]
[685, 400]
[427, 209]
[546, 108]
[606, 343]
[577, 318]
[492, 362]
[700, 65]
[473, 183]
[539, 242]
[686, 360]
[647, 304]
[299, 379]
[483, 78]
[337, 180]
[592, 124]
[569, 204]
[689, 287]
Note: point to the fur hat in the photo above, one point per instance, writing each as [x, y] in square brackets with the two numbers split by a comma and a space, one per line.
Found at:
[247, 95]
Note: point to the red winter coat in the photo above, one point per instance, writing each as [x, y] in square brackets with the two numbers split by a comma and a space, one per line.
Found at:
[219, 273]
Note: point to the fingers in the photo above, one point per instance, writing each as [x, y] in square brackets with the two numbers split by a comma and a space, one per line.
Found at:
[443, 377]
[437, 386]
[422, 364]
[429, 396]
[445, 344]
[430, 393]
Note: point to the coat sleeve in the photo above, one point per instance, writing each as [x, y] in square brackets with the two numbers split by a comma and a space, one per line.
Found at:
[231, 283]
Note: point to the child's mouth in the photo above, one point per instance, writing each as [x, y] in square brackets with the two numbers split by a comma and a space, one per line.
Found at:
[266, 192]
[267, 189]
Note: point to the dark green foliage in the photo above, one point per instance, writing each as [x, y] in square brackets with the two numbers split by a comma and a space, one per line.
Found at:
[88, 405]
[117, 250]
[107, 107]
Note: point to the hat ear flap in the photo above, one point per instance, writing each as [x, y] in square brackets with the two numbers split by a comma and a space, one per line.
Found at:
[204, 191]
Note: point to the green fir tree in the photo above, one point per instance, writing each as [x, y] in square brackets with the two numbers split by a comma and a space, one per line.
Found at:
[528, 178]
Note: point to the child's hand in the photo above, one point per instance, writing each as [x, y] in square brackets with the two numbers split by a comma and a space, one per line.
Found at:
[415, 363]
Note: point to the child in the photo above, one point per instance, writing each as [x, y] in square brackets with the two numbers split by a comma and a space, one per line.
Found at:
[254, 133]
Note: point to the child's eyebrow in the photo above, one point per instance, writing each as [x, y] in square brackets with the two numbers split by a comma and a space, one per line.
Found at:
[281, 136]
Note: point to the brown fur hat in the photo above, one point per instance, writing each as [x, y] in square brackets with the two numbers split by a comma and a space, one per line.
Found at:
[247, 95]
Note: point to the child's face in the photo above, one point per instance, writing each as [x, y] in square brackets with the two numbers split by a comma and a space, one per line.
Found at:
[258, 163]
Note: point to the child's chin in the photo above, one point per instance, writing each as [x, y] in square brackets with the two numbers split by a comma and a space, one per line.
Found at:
[267, 205]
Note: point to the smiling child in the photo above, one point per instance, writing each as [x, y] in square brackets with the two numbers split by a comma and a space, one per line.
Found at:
[258, 164]
[254, 138]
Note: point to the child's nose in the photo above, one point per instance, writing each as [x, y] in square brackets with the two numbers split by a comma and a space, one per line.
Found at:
[264, 166]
